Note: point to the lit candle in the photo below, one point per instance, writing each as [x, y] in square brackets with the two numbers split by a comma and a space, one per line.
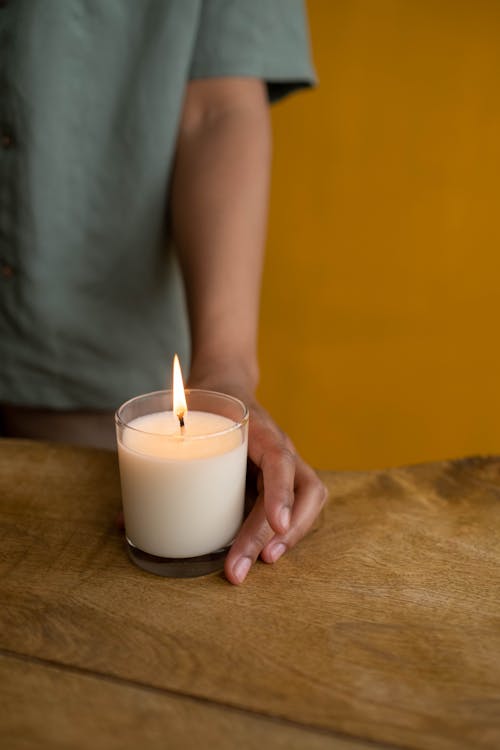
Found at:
[182, 471]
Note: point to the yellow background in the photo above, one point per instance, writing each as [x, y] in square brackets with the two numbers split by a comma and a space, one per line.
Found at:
[379, 340]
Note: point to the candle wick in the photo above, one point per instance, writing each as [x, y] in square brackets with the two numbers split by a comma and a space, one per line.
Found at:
[181, 420]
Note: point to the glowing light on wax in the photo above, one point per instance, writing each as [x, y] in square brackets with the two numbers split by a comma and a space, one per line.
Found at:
[179, 397]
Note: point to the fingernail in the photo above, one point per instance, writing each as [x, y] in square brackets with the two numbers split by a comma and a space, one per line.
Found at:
[285, 516]
[276, 551]
[241, 568]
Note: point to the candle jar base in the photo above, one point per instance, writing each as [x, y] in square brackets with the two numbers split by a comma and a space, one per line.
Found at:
[174, 567]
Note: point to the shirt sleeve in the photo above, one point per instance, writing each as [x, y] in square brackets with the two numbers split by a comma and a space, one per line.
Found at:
[265, 39]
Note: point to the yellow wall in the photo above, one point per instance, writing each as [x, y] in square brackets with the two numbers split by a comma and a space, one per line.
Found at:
[379, 335]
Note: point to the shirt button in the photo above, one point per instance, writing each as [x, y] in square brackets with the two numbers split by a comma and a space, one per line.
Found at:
[6, 270]
[6, 139]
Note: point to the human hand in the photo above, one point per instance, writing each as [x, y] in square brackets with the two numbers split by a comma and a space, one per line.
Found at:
[290, 497]
[290, 494]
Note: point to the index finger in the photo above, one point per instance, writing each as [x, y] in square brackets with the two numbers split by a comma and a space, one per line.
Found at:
[278, 475]
[272, 452]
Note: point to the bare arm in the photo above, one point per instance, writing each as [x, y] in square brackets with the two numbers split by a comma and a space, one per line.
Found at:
[219, 204]
[218, 213]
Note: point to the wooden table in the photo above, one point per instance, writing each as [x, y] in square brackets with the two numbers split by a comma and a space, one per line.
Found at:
[382, 629]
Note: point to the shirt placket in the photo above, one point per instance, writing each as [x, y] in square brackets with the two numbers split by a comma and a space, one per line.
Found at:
[8, 149]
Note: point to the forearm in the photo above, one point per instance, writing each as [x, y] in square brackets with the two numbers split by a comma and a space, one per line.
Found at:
[219, 207]
[218, 214]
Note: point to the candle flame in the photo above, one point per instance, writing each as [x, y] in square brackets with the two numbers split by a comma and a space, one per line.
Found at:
[179, 400]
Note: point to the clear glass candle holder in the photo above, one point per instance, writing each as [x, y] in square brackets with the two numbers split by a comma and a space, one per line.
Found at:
[183, 488]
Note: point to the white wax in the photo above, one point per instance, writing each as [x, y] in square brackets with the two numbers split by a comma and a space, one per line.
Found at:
[182, 497]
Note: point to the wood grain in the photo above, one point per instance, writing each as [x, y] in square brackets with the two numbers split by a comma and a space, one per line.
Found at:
[47, 707]
[384, 624]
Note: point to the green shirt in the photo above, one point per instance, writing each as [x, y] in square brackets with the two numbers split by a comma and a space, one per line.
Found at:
[91, 301]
